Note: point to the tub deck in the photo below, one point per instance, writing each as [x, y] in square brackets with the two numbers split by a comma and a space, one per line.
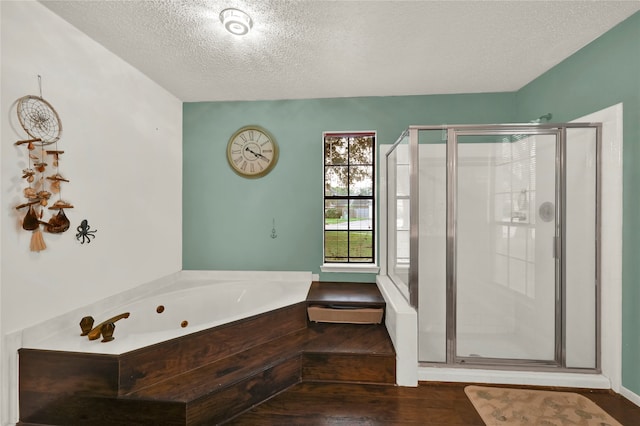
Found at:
[204, 378]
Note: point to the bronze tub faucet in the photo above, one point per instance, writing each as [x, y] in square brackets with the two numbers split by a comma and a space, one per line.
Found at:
[105, 328]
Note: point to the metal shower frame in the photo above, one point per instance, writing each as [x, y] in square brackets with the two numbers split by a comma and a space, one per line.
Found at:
[559, 130]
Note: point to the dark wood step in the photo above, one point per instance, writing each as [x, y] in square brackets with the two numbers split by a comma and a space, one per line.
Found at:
[364, 295]
[348, 368]
[233, 400]
[226, 372]
[361, 353]
[147, 366]
[349, 338]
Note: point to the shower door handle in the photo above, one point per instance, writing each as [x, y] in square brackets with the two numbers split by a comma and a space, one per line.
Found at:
[556, 249]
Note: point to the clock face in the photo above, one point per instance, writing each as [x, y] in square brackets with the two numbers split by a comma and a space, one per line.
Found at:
[252, 152]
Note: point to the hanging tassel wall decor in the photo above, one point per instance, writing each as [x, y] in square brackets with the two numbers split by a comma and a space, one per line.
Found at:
[42, 124]
[37, 242]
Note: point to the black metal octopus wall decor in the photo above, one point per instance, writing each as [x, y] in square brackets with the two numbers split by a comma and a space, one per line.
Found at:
[84, 232]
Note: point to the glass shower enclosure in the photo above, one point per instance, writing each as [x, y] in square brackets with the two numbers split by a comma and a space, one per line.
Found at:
[493, 237]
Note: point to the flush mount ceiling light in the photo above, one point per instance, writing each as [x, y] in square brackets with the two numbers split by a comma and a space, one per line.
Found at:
[236, 21]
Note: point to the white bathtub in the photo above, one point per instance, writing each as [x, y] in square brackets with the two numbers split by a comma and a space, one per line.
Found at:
[188, 302]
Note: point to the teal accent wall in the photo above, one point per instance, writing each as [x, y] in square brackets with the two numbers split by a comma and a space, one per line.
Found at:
[227, 219]
[602, 74]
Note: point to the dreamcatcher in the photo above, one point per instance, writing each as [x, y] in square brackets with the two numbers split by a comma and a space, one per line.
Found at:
[42, 124]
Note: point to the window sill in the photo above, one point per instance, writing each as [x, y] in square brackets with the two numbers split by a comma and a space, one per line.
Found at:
[368, 268]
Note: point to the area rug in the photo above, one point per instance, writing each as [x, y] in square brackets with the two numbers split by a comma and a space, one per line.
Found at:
[505, 406]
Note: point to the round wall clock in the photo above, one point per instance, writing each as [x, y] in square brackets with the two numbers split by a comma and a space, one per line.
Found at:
[252, 152]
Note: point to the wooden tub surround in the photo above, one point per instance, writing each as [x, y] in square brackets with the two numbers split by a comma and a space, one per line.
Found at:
[211, 376]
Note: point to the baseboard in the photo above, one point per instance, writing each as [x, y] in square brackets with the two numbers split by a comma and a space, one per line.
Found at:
[633, 397]
[470, 375]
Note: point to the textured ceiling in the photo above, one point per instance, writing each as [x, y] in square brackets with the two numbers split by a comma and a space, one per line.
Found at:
[321, 49]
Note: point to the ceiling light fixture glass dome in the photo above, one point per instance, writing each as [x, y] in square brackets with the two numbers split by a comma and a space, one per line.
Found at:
[236, 21]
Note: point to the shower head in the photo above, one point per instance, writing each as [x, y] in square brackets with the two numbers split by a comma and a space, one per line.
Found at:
[546, 117]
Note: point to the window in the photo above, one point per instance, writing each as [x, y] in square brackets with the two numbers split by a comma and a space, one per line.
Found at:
[349, 203]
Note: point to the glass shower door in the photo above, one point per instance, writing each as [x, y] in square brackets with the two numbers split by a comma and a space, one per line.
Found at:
[505, 293]
[398, 214]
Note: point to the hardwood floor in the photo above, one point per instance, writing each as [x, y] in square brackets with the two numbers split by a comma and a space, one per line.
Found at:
[430, 404]
[316, 403]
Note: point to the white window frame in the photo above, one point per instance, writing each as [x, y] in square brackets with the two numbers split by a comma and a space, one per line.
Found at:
[367, 268]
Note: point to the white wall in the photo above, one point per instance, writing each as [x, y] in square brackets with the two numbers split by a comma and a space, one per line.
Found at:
[122, 137]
